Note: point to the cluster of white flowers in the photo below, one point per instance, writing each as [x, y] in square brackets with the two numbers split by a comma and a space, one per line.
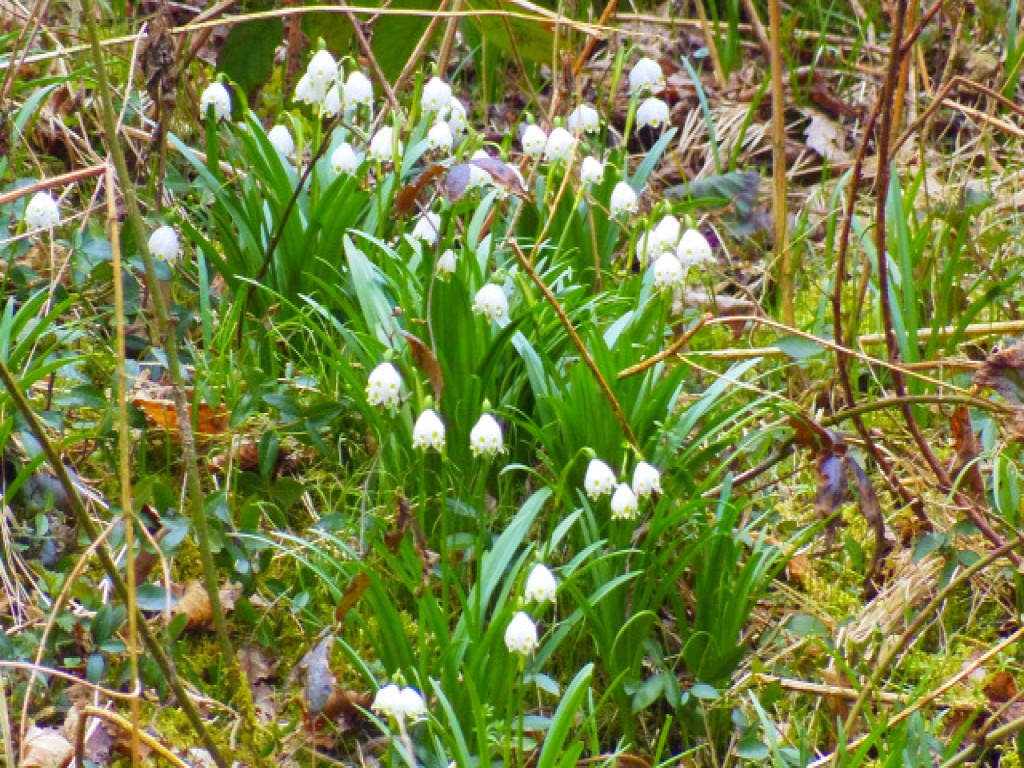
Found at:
[321, 86]
[403, 704]
[555, 147]
[42, 211]
[691, 250]
[600, 481]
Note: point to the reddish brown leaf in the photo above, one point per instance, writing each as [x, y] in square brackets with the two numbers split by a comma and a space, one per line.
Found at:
[503, 174]
[356, 589]
[965, 443]
[872, 511]
[1004, 372]
[810, 434]
[405, 200]
[426, 361]
[1001, 688]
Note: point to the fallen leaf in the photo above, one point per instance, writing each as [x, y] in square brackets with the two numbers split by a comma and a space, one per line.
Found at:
[195, 603]
[456, 182]
[504, 175]
[1003, 371]
[426, 361]
[1001, 688]
[405, 200]
[798, 568]
[344, 709]
[825, 138]
[319, 678]
[965, 444]
[161, 413]
[46, 748]
[356, 589]
[256, 665]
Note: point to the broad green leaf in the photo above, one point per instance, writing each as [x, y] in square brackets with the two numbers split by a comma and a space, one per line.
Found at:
[247, 55]
[395, 36]
[534, 40]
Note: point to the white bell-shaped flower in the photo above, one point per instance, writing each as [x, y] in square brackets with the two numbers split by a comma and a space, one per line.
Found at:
[540, 585]
[384, 387]
[652, 112]
[440, 137]
[344, 159]
[534, 140]
[322, 70]
[668, 272]
[437, 94]
[427, 228]
[485, 438]
[428, 431]
[646, 480]
[386, 701]
[217, 96]
[358, 91]
[646, 75]
[164, 244]
[382, 145]
[281, 138]
[42, 211]
[624, 503]
[491, 302]
[599, 480]
[521, 635]
[665, 235]
[559, 146]
[584, 119]
[332, 101]
[309, 93]
[694, 249]
[445, 263]
[623, 200]
[409, 705]
[457, 116]
[591, 171]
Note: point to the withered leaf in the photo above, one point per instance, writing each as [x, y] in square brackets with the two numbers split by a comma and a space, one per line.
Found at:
[456, 182]
[1001, 688]
[810, 434]
[872, 511]
[832, 485]
[356, 589]
[426, 361]
[319, 678]
[405, 200]
[503, 174]
[965, 443]
[44, 748]
[1003, 371]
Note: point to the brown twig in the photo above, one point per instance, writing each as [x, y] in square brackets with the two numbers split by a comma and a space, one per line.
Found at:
[591, 44]
[421, 46]
[364, 46]
[783, 253]
[670, 350]
[54, 181]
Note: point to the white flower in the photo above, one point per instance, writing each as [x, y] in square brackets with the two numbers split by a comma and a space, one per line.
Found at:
[456, 116]
[409, 705]
[358, 91]
[540, 585]
[332, 101]
[653, 112]
[560, 145]
[668, 272]
[382, 145]
[308, 92]
[646, 73]
[533, 140]
[662, 238]
[322, 70]
[445, 263]
[478, 177]
[344, 159]
[591, 171]
[440, 137]
[584, 118]
[384, 387]
[646, 480]
[521, 635]
[491, 302]
[623, 199]
[599, 480]
[386, 701]
[427, 228]
[694, 249]
[436, 95]
[164, 244]
[217, 96]
[485, 437]
[624, 503]
[282, 140]
[428, 432]
[42, 211]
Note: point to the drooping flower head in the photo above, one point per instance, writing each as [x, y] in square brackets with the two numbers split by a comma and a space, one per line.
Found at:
[384, 386]
[599, 480]
[386, 700]
[653, 112]
[217, 96]
[534, 140]
[646, 480]
[404, 704]
[623, 200]
[624, 503]
[521, 635]
[428, 432]
[42, 211]
[332, 103]
[541, 586]
[668, 272]
[445, 263]
[560, 145]
[646, 75]
[485, 438]
[437, 94]
[281, 139]
[358, 91]
[491, 302]
[427, 228]
[440, 137]
[164, 244]
[457, 116]
[591, 171]
[344, 159]
[584, 119]
[382, 145]
[694, 249]
[322, 70]
[308, 92]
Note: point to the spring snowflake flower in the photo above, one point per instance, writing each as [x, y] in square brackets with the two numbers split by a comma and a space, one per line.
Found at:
[427, 228]
[344, 159]
[624, 199]
[653, 112]
[332, 101]
[485, 437]
[559, 146]
[437, 94]
[445, 263]
[309, 93]
[384, 387]
[409, 705]
[540, 585]
[164, 244]
[358, 91]
[491, 302]
[646, 74]
[599, 480]
[322, 70]
[584, 119]
[591, 171]
[42, 211]
[382, 145]
[457, 116]
[534, 140]
[624, 503]
[440, 137]
[281, 138]
[663, 238]
[646, 480]
[428, 432]
[668, 272]
[386, 701]
[217, 96]
[694, 249]
[521, 635]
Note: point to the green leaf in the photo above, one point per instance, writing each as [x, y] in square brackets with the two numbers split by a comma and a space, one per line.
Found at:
[247, 55]
[752, 748]
[564, 717]
[799, 347]
[150, 597]
[804, 625]
[704, 691]
[395, 36]
[534, 40]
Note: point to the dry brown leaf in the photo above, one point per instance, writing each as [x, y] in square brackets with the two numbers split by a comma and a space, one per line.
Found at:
[825, 138]
[46, 748]
[161, 413]
[798, 568]
[1003, 371]
[256, 665]
[426, 361]
[1001, 688]
[195, 603]
[965, 443]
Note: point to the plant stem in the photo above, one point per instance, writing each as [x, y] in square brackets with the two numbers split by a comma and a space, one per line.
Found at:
[783, 254]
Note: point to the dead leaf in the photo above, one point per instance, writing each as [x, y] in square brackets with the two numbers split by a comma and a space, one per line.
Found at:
[319, 678]
[405, 200]
[872, 512]
[256, 665]
[1003, 371]
[195, 603]
[46, 748]
[1001, 688]
[504, 175]
[161, 413]
[825, 138]
[356, 589]
[965, 443]
[832, 486]
[343, 711]
[456, 182]
[798, 569]
[426, 361]
[823, 98]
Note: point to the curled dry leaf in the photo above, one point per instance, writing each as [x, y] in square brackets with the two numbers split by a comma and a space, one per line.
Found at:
[965, 444]
[46, 748]
[405, 200]
[195, 603]
[426, 361]
[161, 413]
[1003, 371]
